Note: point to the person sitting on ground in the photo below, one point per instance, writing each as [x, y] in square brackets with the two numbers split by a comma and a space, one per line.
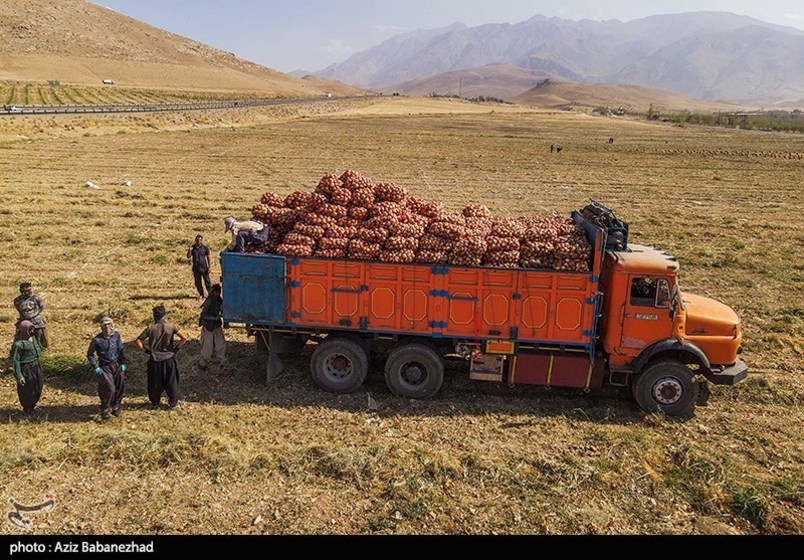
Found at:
[25, 354]
[246, 232]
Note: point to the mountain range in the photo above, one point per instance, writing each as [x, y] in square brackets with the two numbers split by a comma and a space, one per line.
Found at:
[707, 55]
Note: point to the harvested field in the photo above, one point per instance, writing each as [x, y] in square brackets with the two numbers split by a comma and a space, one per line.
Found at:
[242, 457]
[21, 93]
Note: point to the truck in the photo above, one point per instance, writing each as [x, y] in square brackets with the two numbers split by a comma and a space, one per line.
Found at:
[625, 322]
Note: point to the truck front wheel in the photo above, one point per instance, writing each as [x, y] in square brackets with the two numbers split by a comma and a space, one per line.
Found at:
[666, 386]
[414, 371]
[339, 365]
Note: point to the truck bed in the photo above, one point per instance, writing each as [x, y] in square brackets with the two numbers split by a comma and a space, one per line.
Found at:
[310, 294]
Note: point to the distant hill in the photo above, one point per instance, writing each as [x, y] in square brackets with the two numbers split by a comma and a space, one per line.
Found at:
[78, 42]
[553, 94]
[709, 55]
[503, 81]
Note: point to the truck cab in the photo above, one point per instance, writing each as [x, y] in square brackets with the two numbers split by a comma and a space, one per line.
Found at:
[657, 338]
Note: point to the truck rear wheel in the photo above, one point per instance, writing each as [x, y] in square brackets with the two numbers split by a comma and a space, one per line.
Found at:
[339, 365]
[666, 386]
[414, 371]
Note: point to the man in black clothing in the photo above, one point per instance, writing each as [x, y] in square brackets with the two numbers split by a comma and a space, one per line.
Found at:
[200, 256]
[213, 342]
[110, 367]
[163, 369]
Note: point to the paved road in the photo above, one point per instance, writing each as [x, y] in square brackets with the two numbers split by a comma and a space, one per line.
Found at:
[153, 107]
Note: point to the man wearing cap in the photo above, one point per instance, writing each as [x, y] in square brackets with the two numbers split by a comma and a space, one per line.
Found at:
[25, 353]
[163, 369]
[245, 232]
[30, 307]
[110, 367]
[211, 323]
[199, 253]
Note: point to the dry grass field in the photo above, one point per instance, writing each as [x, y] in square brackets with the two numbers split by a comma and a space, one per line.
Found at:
[243, 457]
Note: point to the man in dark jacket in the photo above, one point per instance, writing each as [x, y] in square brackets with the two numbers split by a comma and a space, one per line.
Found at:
[199, 253]
[25, 353]
[211, 323]
[30, 307]
[110, 367]
[163, 369]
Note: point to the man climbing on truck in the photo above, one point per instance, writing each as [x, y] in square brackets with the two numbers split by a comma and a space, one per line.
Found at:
[244, 233]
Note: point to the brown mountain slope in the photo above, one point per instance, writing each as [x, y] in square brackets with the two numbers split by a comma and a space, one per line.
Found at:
[78, 42]
[554, 94]
[504, 81]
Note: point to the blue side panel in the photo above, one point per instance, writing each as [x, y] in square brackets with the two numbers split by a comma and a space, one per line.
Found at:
[254, 289]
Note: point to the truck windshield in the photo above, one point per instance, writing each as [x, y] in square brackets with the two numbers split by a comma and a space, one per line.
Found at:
[651, 292]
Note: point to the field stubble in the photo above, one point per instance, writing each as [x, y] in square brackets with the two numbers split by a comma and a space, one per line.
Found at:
[245, 458]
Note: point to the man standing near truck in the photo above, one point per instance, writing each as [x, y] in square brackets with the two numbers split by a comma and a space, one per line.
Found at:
[213, 342]
[30, 307]
[163, 369]
[245, 232]
[110, 367]
[199, 253]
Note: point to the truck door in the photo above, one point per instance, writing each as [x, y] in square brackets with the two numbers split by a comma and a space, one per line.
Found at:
[646, 314]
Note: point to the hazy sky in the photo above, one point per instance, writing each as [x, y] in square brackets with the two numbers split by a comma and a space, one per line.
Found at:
[311, 34]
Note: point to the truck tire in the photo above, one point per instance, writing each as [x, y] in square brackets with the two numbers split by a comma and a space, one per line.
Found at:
[339, 365]
[414, 371]
[666, 386]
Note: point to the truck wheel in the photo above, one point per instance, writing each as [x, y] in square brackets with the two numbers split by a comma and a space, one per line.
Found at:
[666, 386]
[339, 365]
[414, 371]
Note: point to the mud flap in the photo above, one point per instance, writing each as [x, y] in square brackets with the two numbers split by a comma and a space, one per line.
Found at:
[703, 393]
[273, 343]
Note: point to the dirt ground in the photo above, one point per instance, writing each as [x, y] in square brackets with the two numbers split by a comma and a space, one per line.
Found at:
[243, 457]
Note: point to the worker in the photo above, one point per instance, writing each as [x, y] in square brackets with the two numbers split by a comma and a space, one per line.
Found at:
[211, 323]
[30, 307]
[110, 367]
[199, 253]
[246, 232]
[25, 353]
[163, 369]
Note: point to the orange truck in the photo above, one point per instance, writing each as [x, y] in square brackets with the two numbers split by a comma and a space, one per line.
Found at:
[625, 322]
